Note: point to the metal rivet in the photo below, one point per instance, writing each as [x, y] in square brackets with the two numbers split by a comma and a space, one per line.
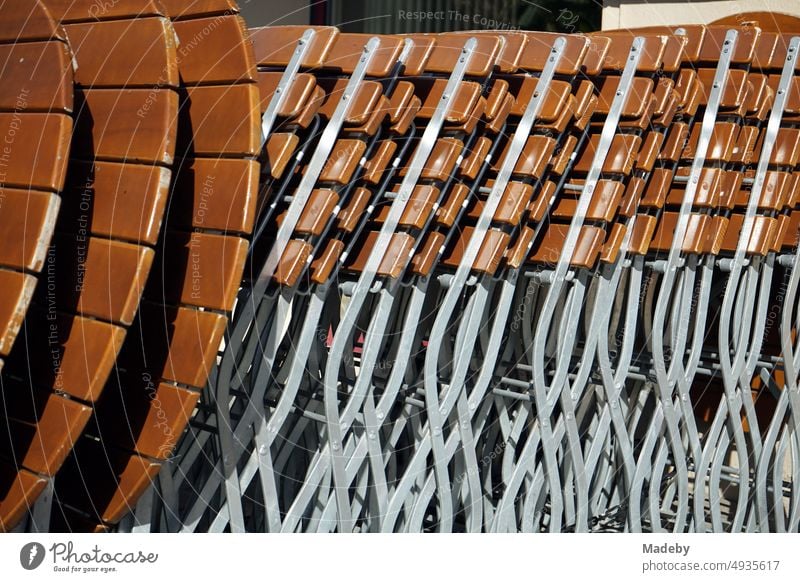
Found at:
[263, 450]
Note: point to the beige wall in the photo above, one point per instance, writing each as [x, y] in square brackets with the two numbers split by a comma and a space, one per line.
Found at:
[274, 12]
[633, 13]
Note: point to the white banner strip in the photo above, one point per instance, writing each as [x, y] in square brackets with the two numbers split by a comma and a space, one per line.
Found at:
[406, 558]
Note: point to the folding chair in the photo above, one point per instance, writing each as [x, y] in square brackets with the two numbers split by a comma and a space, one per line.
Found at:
[694, 233]
[344, 55]
[747, 291]
[338, 210]
[384, 250]
[759, 227]
[505, 215]
[609, 460]
[291, 102]
[612, 153]
[345, 223]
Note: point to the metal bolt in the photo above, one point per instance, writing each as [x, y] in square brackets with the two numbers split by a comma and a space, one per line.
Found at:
[263, 450]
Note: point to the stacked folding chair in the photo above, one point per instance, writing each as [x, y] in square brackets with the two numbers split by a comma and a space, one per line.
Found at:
[294, 279]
